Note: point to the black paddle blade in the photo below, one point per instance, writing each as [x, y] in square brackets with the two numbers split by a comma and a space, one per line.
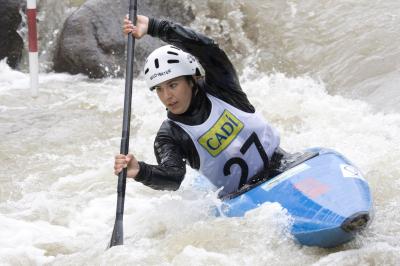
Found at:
[117, 237]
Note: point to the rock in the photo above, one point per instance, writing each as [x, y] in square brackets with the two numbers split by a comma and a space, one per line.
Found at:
[11, 43]
[91, 41]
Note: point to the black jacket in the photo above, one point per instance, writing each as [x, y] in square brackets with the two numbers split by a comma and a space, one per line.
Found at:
[173, 147]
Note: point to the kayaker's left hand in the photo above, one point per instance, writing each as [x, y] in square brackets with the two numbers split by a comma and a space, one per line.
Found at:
[138, 31]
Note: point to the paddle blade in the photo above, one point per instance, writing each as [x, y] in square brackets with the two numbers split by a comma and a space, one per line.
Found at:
[117, 237]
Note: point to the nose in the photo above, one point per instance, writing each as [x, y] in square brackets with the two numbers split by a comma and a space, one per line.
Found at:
[164, 94]
[167, 93]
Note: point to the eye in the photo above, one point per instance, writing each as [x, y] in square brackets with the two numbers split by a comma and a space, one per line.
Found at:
[173, 85]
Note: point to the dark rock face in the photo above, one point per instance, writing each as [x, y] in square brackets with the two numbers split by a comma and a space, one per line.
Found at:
[92, 42]
[11, 44]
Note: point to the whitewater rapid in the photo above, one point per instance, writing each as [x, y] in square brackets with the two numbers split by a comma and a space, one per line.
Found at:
[58, 191]
[324, 73]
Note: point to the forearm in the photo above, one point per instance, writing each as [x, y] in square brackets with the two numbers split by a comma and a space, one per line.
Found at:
[161, 177]
[171, 167]
[180, 36]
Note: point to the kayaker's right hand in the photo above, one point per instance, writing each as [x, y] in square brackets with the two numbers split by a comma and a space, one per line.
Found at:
[138, 31]
[122, 161]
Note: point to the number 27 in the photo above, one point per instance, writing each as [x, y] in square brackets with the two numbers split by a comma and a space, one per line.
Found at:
[242, 163]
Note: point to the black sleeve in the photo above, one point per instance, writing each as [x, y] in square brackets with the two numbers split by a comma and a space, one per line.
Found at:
[171, 147]
[220, 75]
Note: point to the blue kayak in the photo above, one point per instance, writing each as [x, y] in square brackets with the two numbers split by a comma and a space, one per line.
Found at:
[326, 195]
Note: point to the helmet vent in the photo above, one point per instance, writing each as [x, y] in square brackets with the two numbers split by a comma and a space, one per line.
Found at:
[173, 61]
[198, 72]
[170, 52]
[146, 71]
[156, 63]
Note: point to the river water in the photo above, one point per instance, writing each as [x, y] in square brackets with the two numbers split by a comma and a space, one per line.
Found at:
[325, 73]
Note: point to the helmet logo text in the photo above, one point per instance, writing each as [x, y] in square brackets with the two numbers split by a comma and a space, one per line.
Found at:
[166, 72]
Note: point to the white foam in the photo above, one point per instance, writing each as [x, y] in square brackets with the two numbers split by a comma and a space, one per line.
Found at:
[60, 195]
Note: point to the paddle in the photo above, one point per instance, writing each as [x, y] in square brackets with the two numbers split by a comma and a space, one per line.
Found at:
[117, 237]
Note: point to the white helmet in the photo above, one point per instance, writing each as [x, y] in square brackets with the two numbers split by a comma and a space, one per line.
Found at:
[168, 62]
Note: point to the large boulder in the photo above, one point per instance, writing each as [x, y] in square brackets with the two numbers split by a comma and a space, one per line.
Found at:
[11, 43]
[91, 41]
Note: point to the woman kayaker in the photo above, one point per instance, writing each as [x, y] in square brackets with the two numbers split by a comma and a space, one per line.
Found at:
[210, 125]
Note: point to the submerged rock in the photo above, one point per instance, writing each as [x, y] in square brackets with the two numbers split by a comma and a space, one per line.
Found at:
[11, 43]
[92, 42]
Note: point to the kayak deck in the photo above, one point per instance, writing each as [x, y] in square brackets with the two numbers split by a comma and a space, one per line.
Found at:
[325, 194]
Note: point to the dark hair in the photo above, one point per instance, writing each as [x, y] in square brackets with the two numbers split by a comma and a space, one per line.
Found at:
[188, 78]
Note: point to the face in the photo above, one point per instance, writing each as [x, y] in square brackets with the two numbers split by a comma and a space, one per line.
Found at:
[175, 94]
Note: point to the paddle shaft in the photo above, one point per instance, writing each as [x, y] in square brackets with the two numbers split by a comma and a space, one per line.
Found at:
[118, 233]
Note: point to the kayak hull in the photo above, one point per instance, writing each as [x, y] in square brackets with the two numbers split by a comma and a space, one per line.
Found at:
[327, 197]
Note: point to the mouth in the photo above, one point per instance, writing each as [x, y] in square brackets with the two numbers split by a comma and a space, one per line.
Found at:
[172, 105]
